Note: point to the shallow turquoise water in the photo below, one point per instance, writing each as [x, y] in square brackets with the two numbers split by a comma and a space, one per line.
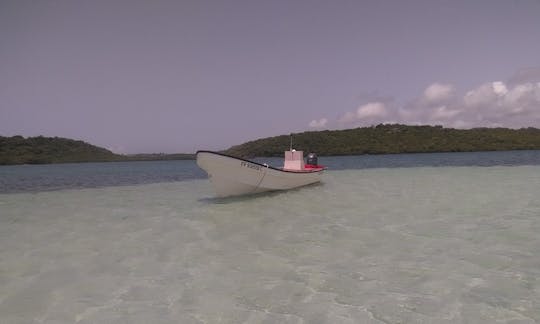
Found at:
[387, 245]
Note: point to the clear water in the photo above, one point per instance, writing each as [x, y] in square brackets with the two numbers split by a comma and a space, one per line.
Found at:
[416, 244]
[34, 178]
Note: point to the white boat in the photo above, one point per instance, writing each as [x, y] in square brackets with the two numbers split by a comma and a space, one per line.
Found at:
[232, 176]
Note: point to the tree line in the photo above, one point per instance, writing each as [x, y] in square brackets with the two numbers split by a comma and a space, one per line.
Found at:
[393, 138]
[43, 150]
[380, 139]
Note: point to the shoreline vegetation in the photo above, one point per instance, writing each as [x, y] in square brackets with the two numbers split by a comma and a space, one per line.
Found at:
[394, 139]
[47, 150]
[380, 139]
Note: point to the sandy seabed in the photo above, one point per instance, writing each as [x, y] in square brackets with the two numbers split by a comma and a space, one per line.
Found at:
[403, 245]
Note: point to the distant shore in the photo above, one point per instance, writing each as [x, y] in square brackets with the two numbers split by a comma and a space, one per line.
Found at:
[380, 139]
[47, 150]
[394, 139]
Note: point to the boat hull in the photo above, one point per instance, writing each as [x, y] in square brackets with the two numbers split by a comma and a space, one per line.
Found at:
[232, 176]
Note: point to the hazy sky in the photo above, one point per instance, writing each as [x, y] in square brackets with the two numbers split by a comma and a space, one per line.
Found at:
[177, 76]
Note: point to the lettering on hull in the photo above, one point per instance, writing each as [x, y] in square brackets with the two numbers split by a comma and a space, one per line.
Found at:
[250, 165]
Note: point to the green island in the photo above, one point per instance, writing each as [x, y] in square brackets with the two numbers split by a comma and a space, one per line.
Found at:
[392, 139]
[44, 150]
[380, 139]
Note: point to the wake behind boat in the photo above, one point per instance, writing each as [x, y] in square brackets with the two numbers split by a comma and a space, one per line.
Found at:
[232, 176]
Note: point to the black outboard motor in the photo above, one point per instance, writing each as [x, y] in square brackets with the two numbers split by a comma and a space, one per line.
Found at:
[312, 159]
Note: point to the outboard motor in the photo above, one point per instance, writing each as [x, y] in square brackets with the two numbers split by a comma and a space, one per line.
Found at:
[312, 159]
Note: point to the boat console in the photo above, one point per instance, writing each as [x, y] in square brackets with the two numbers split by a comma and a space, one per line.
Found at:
[294, 160]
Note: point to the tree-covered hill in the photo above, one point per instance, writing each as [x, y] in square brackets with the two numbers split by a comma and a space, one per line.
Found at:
[384, 139]
[379, 139]
[40, 150]
[158, 157]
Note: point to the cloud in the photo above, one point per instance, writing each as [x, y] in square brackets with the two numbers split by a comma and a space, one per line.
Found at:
[321, 123]
[348, 118]
[495, 103]
[365, 114]
[438, 92]
[370, 110]
[485, 94]
[514, 103]
[444, 113]
[499, 88]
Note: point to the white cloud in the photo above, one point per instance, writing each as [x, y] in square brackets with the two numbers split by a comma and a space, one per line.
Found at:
[372, 109]
[485, 94]
[499, 88]
[348, 118]
[370, 113]
[442, 113]
[438, 92]
[318, 123]
[518, 93]
[496, 104]
[493, 104]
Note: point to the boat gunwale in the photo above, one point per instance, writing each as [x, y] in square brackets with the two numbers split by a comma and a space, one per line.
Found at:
[261, 164]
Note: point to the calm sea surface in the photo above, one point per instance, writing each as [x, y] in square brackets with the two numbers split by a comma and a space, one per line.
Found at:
[33, 178]
[417, 238]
